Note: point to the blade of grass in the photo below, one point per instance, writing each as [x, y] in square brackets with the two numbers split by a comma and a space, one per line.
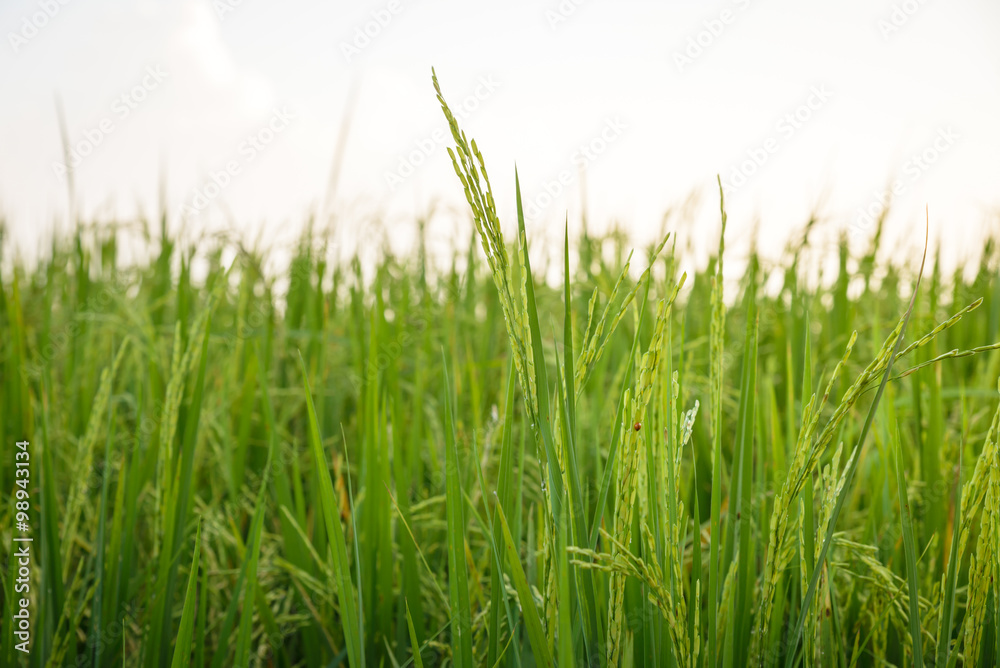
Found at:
[182, 645]
[910, 552]
[745, 578]
[947, 619]
[349, 610]
[458, 572]
[535, 344]
[529, 611]
[565, 612]
[252, 558]
[852, 466]
[497, 589]
[414, 645]
[101, 523]
[715, 362]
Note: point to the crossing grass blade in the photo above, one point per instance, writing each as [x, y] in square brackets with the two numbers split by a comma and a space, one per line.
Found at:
[52, 580]
[498, 591]
[529, 611]
[745, 579]
[535, 346]
[697, 575]
[458, 571]
[490, 530]
[565, 612]
[101, 523]
[201, 621]
[566, 392]
[404, 444]
[852, 466]
[349, 612]
[715, 375]
[568, 357]
[185, 632]
[910, 553]
[251, 559]
[949, 595]
[176, 482]
[414, 645]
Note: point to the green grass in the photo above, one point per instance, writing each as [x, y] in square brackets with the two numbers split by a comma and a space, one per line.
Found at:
[419, 465]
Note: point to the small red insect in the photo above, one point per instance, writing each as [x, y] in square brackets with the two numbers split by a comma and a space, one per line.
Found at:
[637, 426]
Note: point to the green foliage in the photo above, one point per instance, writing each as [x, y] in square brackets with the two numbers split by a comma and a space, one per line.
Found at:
[404, 464]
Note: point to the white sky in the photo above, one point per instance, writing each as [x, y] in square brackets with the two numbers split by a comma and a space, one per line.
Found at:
[609, 67]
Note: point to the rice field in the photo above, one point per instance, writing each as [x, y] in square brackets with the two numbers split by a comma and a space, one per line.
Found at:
[427, 464]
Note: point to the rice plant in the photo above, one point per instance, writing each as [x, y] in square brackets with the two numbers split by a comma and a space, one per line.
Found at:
[414, 464]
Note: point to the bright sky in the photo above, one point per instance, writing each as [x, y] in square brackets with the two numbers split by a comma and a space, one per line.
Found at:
[797, 105]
